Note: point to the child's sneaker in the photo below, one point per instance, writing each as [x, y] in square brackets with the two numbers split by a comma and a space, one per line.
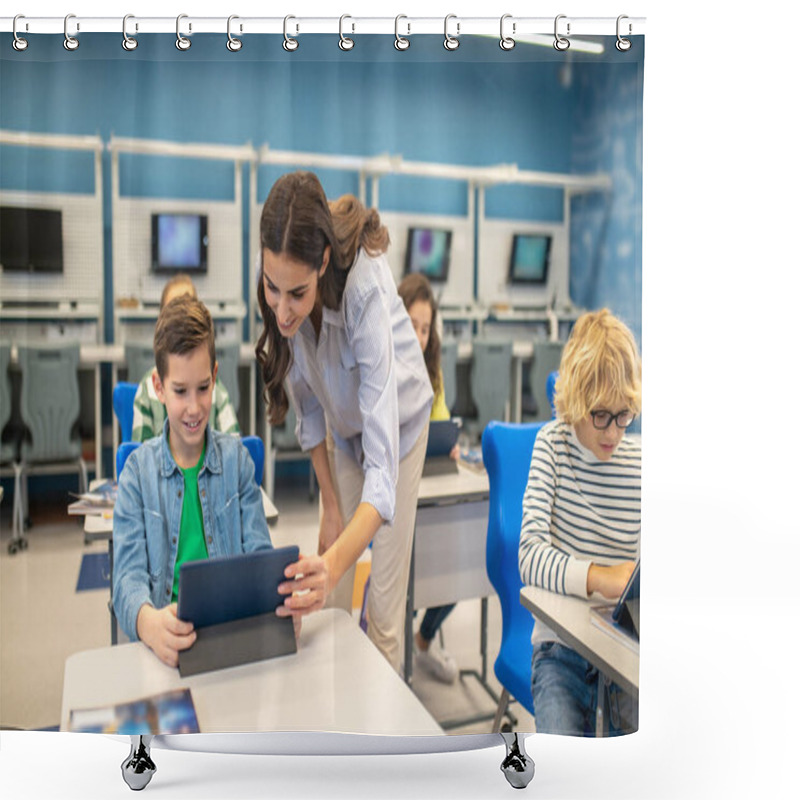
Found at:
[438, 662]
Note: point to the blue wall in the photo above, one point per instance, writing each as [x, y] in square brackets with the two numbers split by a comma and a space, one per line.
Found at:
[476, 106]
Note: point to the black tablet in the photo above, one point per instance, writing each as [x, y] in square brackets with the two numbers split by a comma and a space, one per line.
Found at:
[627, 611]
[216, 590]
[442, 436]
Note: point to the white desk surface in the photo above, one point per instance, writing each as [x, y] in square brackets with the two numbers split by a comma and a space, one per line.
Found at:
[466, 485]
[336, 682]
[570, 618]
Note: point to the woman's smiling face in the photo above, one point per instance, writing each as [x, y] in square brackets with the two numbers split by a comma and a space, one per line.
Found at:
[290, 288]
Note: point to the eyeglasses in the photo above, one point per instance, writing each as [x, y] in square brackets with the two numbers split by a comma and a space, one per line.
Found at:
[603, 419]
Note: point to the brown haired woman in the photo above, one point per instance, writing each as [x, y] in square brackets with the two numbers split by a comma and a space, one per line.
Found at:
[337, 340]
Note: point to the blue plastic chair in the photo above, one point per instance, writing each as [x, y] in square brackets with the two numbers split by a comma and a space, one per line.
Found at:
[551, 392]
[122, 398]
[255, 446]
[507, 449]
[123, 451]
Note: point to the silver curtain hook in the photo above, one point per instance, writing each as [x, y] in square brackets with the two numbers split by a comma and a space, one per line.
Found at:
[128, 42]
[289, 44]
[507, 42]
[560, 42]
[233, 44]
[70, 42]
[181, 42]
[345, 43]
[19, 44]
[451, 42]
[622, 44]
[400, 42]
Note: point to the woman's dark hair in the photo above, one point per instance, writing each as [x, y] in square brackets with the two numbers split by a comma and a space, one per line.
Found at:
[297, 221]
[413, 288]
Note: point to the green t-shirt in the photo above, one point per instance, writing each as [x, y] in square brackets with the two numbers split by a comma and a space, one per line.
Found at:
[192, 538]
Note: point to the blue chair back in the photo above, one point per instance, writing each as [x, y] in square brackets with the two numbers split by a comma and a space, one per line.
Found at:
[255, 446]
[551, 392]
[123, 396]
[507, 449]
[123, 451]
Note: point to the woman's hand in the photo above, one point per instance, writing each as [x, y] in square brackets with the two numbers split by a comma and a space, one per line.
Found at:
[330, 528]
[164, 633]
[609, 581]
[308, 586]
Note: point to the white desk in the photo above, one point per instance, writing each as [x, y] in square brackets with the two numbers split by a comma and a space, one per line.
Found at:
[570, 618]
[337, 681]
[448, 559]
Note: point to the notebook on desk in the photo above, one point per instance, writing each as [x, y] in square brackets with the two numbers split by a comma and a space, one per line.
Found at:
[442, 436]
[231, 601]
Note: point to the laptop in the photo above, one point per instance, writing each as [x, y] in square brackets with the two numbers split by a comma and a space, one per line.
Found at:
[442, 436]
[231, 601]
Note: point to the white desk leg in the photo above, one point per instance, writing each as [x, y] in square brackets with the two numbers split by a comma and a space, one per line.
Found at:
[98, 425]
[516, 391]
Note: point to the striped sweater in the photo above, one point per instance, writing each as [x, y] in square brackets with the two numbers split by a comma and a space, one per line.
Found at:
[577, 510]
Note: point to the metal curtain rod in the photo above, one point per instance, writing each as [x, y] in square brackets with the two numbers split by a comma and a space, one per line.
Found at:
[298, 25]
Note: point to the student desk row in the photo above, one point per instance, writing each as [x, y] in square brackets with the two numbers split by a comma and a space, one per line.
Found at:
[337, 681]
[571, 619]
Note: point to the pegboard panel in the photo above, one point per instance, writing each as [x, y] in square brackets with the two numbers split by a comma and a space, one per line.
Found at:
[82, 231]
[133, 276]
[495, 241]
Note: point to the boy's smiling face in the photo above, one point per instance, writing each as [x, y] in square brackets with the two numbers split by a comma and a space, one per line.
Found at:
[186, 392]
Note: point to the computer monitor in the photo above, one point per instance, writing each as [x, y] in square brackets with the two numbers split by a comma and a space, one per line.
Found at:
[31, 240]
[530, 258]
[180, 243]
[428, 252]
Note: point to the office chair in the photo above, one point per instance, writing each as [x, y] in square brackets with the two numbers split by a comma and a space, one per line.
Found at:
[449, 364]
[139, 360]
[255, 446]
[228, 371]
[53, 443]
[507, 449]
[551, 392]
[546, 359]
[490, 380]
[122, 398]
[8, 454]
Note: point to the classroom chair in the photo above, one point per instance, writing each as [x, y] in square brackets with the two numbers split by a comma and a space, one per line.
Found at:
[122, 399]
[228, 371]
[255, 446]
[507, 449]
[139, 360]
[123, 451]
[52, 443]
[449, 364]
[285, 447]
[490, 380]
[546, 359]
[551, 392]
[8, 450]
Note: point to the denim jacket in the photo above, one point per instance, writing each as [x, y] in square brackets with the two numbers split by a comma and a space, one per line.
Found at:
[147, 517]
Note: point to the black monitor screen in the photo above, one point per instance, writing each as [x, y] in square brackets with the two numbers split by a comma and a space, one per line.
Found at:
[180, 242]
[530, 258]
[428, 252]
[30, 240]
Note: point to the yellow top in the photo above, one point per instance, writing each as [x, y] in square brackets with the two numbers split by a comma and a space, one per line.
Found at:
[439, 410]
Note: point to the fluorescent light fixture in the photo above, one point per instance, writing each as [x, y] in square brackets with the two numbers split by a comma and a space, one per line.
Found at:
[546, 40]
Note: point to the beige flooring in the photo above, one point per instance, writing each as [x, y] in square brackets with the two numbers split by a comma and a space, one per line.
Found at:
[43, 620]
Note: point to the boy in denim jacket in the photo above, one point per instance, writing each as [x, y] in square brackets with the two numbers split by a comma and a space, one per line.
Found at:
[187, 494]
